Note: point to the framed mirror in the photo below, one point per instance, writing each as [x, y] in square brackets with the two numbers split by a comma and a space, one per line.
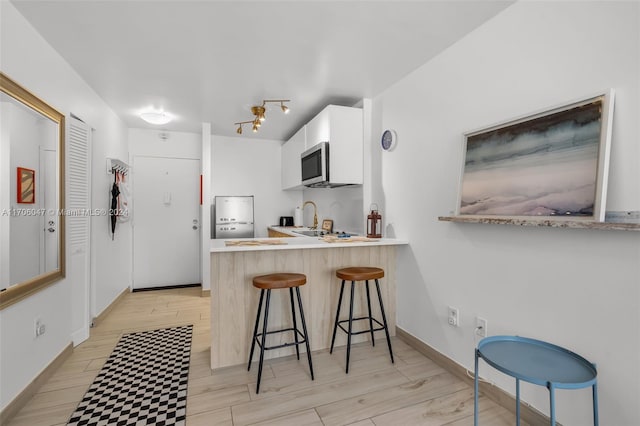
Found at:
[32, 228]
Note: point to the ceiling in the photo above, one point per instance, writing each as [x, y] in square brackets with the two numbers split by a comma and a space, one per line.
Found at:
[210, 61]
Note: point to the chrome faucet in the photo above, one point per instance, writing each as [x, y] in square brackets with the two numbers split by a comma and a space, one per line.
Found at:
[315, 213]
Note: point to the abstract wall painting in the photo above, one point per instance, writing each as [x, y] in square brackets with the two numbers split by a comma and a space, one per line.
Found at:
[552, 164]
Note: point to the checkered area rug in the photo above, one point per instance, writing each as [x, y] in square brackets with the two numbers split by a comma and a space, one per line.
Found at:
[144, 382]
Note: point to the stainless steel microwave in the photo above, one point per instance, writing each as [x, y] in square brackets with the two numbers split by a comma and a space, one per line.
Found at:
[315, 165]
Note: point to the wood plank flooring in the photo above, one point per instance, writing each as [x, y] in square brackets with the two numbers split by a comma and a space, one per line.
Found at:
[413, 391]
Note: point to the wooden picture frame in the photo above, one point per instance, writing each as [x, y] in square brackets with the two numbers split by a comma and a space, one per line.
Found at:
[26, 182]
[327, 225]
[19, 291]
[551, 164]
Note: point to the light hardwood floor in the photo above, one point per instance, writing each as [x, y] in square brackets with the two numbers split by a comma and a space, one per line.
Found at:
[413, 391]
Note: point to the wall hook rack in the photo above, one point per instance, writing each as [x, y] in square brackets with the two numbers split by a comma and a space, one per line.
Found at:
[114, 164]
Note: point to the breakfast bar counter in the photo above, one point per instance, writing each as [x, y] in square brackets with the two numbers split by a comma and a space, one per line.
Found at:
[234, 300]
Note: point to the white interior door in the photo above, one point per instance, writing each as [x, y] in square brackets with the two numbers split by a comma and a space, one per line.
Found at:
[49, 184]
[166, 222]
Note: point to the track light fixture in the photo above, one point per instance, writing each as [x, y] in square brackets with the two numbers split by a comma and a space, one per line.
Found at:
[239, 129]
[259, 112]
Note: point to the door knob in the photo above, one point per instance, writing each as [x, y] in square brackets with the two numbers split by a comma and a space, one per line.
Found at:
[51, 230]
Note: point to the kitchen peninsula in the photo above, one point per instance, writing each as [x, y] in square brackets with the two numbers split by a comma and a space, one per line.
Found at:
[234, 300]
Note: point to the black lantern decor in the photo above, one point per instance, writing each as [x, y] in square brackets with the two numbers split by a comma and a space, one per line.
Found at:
[374, 223]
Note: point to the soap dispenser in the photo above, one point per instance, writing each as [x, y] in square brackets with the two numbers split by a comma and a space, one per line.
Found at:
[297, 217]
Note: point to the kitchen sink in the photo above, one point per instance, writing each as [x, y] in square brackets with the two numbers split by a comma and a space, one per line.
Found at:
[320, 233]
[310, 233]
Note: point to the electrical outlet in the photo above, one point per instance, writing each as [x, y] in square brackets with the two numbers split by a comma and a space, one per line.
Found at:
[481, 327]
[39, 327]
[454, 317]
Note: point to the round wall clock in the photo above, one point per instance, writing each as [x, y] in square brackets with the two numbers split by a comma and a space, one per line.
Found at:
[388, 140]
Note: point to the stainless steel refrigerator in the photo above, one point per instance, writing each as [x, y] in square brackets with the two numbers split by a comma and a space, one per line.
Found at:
[233, 217]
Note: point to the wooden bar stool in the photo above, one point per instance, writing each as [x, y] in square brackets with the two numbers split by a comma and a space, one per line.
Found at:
[360, 274]
[279, 281]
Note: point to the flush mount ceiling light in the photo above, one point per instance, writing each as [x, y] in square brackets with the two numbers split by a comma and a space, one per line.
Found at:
[156, 117]
[259, 112]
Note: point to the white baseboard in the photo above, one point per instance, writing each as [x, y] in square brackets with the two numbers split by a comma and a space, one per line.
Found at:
[80, 336]
[105, 311]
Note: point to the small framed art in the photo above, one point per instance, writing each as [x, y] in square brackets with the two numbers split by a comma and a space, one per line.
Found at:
[327, 225]
[26, 186]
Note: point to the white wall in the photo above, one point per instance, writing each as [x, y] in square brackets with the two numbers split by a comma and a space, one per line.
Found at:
[576, 288]
[249, 166]
[343, 205]
[27, 58]
[163, 143]
[205, 209]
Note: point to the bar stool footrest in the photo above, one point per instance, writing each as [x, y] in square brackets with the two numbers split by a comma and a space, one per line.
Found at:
[368, 330]
[284, 345]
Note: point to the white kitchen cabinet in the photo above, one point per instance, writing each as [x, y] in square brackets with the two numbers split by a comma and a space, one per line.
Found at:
[318, 128]
[290, 158]
[342, 127]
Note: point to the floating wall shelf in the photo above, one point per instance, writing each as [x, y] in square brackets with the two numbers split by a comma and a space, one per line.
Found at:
[558, 223]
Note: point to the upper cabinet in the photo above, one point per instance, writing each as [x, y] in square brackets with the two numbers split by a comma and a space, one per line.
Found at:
[340, 126]
[318, 128]
[290, 157]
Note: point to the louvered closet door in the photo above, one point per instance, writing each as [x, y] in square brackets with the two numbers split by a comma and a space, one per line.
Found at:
[78, 204]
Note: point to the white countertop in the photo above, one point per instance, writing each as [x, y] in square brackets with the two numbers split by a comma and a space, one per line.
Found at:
[298, 242]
